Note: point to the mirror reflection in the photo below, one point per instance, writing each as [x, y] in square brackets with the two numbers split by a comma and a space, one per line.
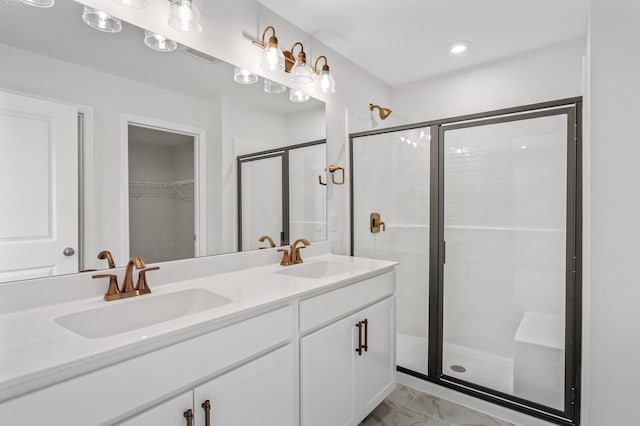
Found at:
[130, 143]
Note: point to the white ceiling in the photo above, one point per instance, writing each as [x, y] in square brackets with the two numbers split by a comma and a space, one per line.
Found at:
[60, 33]
[402, 41]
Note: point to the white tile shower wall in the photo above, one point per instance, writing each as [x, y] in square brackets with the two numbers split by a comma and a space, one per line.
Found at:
[392, 178]
[505, 229]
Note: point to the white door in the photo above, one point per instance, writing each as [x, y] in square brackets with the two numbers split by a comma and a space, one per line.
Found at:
[261, 393]
[168, 413]
[38, 188]
[328, 375]
[377, 365]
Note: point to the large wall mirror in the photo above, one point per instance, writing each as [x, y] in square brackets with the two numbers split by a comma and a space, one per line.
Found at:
[107, 144]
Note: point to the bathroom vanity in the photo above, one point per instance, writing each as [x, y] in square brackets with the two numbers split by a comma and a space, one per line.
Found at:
[310, 344]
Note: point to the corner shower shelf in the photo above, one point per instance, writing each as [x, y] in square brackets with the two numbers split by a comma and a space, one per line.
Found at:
[178, 189]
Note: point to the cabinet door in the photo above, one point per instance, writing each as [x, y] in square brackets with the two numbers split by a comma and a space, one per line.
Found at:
[169, 413]
[377, 365]
[328, 375]
[260, 392]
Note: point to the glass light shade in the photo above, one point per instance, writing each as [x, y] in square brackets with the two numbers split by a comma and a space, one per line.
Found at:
[272, 59]
[273, 88]
[134, 4]
[38, 3]
[159, 42]
[301, 73]
[296, 95]
[185, 16]
[326, 82]
[243, 76]
[101, 21]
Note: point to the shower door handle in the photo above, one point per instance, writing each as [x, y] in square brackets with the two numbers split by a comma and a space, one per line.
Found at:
[375, 223]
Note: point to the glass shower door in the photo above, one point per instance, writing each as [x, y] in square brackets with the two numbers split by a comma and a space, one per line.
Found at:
[505, 233]
[391, 179]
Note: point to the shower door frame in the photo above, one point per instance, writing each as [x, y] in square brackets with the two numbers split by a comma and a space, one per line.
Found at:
[572, 108]
[263, 155]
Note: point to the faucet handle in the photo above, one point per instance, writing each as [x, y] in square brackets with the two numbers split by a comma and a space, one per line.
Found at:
[286, 257]
[296, 255]
[113, 291]
[142, 287]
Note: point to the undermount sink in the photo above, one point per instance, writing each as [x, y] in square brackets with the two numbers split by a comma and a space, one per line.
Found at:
[142, 311]
[322, 269]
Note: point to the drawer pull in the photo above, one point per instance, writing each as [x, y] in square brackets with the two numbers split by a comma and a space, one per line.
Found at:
[359, 348]
[206, 406]
[189, 416]
[366, 335]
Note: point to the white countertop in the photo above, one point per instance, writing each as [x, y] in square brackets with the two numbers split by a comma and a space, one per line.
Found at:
[36, 352]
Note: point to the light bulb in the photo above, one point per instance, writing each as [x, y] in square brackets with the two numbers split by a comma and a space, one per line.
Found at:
[185, 16]
[101, 21]
[301, 73]
[272, 58]
[134, 4]
[273, 88]
[297, 95]
[158, 42]
[327, 82]
[244, 76]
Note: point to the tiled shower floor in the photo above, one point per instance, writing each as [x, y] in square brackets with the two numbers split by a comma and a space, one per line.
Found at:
[409, 407]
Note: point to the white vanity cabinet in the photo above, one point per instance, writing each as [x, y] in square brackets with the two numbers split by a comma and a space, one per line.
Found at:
[348, 367]
[260, 392]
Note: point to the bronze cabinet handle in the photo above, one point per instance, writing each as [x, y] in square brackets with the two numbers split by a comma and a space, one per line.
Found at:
[206, 406]
[359, 348]
[366, 335]
[189, 416]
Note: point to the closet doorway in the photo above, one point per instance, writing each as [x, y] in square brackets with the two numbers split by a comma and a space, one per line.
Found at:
[163, 187]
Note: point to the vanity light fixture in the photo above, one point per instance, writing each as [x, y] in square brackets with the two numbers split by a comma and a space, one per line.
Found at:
[134, 4]
[159, 42]
[273, 88]
[301, 72]
[297, 95]
[458, 47]
[272, 58]
[185, 16]
[326, 81]
[101, 21]
[38, 3]
[384, 112]
[244, 76]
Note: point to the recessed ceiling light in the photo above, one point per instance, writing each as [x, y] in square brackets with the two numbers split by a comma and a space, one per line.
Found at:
[458, 47]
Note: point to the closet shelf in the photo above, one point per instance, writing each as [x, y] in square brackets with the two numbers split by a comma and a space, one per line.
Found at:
[179, 189]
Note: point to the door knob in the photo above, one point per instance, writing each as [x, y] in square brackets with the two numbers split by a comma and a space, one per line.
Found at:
[68, 251]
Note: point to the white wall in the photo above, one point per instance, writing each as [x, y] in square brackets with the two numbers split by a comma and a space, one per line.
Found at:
[541, 75]
[612, 216]
[228, 30]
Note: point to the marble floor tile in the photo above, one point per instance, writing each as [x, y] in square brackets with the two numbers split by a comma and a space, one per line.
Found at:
[390, 414]
[409, 407]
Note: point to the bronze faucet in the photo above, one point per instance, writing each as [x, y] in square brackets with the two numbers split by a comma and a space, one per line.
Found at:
[127, 285]
[142, 287]
[106, 254]
[295, 251]
[267, 238]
